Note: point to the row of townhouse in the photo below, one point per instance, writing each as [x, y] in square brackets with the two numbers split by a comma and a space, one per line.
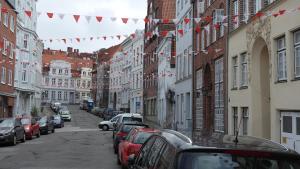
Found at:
[20, 59]
[67, 76]
[237, 73]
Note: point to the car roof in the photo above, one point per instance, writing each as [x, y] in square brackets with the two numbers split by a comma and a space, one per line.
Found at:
[147, 130]
[131, 115]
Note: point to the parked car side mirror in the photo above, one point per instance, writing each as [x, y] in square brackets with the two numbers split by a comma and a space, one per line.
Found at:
[131, 160]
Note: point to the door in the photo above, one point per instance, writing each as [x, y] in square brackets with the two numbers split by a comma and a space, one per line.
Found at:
[72, 98]
[290, 130]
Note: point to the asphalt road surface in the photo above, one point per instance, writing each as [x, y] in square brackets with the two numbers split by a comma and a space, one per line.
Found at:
[79, 145]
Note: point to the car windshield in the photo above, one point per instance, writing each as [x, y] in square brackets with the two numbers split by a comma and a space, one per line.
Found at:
[43, 120]
[191, 160]
[7, 123]
[141, 137]
[132, 119]
[25, 121]
[127, 128]
[56, 117]
[65, 113]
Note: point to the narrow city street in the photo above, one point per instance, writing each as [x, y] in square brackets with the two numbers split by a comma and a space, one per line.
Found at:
[79, 145]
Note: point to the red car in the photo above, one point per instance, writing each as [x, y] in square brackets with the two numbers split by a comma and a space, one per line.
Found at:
[133, 143]
[32, 128]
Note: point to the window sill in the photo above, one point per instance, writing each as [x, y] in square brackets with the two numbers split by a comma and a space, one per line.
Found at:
[295, 79]
[243, 87]
[3, 83]
[234, 88]
[281, 81]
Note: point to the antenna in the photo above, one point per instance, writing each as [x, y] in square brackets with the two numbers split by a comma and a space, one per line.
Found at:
[236, 140]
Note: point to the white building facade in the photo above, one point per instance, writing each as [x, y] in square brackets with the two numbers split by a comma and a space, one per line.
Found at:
[166, 84]
[183, 84]
[28, 67]
[58, 84]
[126, 70]
[136, 87]
[83, 84]
[115, 81]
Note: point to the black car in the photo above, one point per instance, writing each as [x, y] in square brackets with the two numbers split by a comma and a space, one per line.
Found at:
[47, 124]
[122, 132]
[11, 131]
[172, 150]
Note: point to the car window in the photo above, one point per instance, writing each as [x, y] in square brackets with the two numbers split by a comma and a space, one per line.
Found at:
[18, 123]
[115, 119]
[154, 153]
[143, 155]
[141, 137]
[126, 128]
[131, 119]
[167, 158]
[25, 121]
[7, 123]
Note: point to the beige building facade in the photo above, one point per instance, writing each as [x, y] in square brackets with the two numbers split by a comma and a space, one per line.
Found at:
[264, 75]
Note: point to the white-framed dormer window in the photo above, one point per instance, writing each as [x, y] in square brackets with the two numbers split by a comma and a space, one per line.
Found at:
[257, 5]
[234, 72]
[297, 53]
[244, 70]
[281, 59]
[3, 75]
[54, 71]
[12, 23]
[9, 77]
[5, 18]
[236, 14]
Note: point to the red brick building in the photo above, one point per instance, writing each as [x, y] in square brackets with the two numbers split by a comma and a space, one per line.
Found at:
[7, 56]
[209, 75]
[157, 9]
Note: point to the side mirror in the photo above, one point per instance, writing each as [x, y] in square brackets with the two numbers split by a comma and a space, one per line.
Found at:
[131, 160]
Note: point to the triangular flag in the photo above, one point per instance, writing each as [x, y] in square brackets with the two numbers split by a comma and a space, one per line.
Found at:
[165, 21]
[4, 10]
[104, 37]
[197, 20]
[208, 19]
[50, 15]
[132, 35]
[186, 20]
[217, 26]
[113, 19]
[258, 15]
[28, 13]
[99, 18]
[198, 29]
[124, 20]
[164, 33]
[88, 18]
[281, 12]
[76, 17]
[91, 38]
[146, 20]
[155, 20]
[78, 39]
[119, 37]
[61, 16]
[135, 20]
[65, 41]
[180, 31]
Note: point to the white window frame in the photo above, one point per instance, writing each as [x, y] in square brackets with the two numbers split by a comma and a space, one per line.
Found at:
[11, 51]
[245, 120]
[297, 55]
[257, 5]
[235, 120]
[3, 75]
[24, 75]
[59, 94]
[244, 70]
[208, 35]
[12, 23]
[53, 82]
[246, 9]
[5, 19]
[53, 95]
[281, 59]
[236, 13]
[234, 72]
[65, 95]
[219, 124]
[53, 71]
[214, 31]
[9, 77]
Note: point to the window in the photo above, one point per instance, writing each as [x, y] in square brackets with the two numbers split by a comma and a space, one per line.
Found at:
[11, 51]
[12, 23]
[219, 96]
[235, 14]
[53, 81]
[5, 18]
[84, 74]
[53, 95]
[257, 6]
[83, 83]
[60, 71]
[66, 71]
[142, 158]
[208, 3]
[54, 71]
[59, 95]
[9, 77]
[297, 53]
[3, 75]
[24, 75]
[65, 96]
[60, 82]
[246, 10]
[66, 84]
[298, 125]
[47, 81]
[199, 99]
[25, 42]
[88, 84]
[244, 70]
[281, 59]
[287, 124]
[214, 31]
[207, 35]
[5, 45]
[234, 72]
[245, 115]
[72, 83]
[46, 95]
[83, 94]
[185, 63]
[78, 83]
[235, 119]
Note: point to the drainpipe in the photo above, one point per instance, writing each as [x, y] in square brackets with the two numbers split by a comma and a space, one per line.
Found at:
[226, 64]
[193, 68]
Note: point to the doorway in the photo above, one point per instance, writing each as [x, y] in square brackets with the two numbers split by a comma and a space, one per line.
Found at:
[290, 130]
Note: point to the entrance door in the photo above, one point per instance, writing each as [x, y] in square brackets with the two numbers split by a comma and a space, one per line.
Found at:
[72, 98]
[290, 130]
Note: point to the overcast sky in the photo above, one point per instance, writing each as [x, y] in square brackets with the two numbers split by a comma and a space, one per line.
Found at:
[68, 28]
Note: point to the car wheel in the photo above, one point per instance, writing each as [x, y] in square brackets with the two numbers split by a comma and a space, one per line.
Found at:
[38, 134]
[24, 138]
[115, 150]
[105, 128]
[53, 130]
[14, 141]
[118, 159]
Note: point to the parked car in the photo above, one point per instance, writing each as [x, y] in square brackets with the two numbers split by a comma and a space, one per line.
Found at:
[32, 128]
[132, 144]
[11, 131]
[1, 119]
[97, 111]
[47, 124]
[127, 118]
[172, 150]
[112, 114]
[106, 114]
[55, 106]
[58, 121]
[123, 131]
[63, 108]
[107, 125]
[66, 115]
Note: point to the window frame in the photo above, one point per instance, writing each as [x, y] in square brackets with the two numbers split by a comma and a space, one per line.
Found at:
[281, 50]
[296, 47]
[235, 69]
[244, 70]
[3, 75]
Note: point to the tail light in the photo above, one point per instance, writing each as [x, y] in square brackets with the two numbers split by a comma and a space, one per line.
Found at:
[131, 149]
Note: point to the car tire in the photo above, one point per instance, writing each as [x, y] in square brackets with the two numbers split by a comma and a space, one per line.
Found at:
[53, 130]
[105, 128]
[118, 159]
[115, 150]
[14, 141]
[24, 138]
[38, 134]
